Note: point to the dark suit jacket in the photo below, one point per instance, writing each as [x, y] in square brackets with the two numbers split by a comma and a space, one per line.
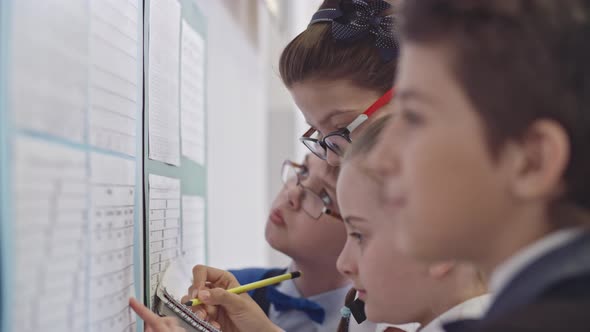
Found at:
[550, 294]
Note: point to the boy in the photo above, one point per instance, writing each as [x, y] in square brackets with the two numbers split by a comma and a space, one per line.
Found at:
[487, 160]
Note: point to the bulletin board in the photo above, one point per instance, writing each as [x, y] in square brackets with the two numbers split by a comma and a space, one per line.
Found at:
[71, 164]
[102, 157]
[175, 137]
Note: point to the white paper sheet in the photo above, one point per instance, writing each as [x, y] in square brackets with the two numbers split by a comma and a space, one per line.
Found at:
[192, 94]
[163, 225]
[112, 215]
[74, 73]
[50, 221]
[163, 85]
[193, 229]
[49, 67]
[113, 75]
[84, 285]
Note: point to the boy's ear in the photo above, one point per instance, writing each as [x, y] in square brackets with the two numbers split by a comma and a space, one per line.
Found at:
[543, 154]
[440, 270]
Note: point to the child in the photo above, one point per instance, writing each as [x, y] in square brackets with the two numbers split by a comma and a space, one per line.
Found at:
[340, 72]
[488, 160]
[304, 224]
[396, 288]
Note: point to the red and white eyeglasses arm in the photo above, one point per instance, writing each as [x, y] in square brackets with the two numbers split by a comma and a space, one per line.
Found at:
[377, 105]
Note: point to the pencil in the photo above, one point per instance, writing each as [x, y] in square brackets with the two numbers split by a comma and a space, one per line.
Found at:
[253, 285]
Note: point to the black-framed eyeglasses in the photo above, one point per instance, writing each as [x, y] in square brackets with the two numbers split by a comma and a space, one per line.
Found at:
[312, 203]
[339, 140]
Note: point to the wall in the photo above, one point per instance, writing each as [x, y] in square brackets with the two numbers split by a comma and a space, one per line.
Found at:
[286, 123]
[253, 124]
[237, 133]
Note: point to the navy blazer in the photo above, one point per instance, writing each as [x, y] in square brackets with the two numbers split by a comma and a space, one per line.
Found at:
[550, 294]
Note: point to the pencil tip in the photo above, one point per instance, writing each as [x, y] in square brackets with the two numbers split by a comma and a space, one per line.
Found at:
[295, 274]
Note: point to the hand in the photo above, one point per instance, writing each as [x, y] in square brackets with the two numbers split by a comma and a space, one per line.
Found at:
[234, 313]
[153, 322]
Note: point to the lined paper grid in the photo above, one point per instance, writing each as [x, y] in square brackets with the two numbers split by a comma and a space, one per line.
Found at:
[163, 229]
[76, 197]
[163, 82]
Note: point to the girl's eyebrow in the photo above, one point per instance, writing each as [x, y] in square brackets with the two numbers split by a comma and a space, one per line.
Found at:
[371, 174]
[409, 94]
[353, 219]
[334, 113]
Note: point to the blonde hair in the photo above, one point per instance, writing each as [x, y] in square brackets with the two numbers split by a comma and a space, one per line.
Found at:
[367, 141]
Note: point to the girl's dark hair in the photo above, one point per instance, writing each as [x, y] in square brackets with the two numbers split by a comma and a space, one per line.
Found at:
[345, 321]
[315, 54]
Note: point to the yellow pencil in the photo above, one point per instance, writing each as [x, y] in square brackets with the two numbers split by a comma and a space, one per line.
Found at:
[253, 285]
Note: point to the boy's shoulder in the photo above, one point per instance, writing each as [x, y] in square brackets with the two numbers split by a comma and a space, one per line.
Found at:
[562, 308]
[561, 274]
[553, 313]
[551, 294]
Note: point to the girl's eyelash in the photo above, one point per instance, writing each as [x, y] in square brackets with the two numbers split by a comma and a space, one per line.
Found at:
[410, 116]
[304, 170]
[327, 198]
[356, 235]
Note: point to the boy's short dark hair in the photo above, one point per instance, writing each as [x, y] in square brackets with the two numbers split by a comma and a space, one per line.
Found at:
[518, 61]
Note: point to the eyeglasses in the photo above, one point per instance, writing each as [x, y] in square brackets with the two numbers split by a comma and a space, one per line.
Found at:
[339, 140]
[313, 204]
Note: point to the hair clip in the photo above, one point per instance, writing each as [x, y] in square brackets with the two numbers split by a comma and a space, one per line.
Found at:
[357, 309]
[345, 312]
[362, 19]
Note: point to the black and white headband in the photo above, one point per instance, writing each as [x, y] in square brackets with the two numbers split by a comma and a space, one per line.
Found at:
[363, 18]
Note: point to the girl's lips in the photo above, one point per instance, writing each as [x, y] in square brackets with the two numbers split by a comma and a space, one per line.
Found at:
[276, 217]
[362, 294]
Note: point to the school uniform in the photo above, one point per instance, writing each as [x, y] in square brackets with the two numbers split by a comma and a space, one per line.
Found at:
[473, 308]
[286, 308]
[544, 287]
